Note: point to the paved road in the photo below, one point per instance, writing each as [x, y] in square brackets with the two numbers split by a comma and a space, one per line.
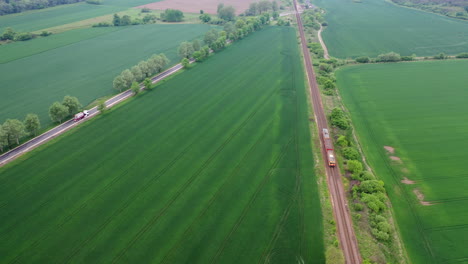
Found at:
[56, 131]
[345, 229]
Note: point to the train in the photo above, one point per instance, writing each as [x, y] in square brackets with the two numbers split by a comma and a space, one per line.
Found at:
[329, 148]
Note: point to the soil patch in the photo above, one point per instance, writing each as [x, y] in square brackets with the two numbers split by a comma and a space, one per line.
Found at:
[420, 196]
[407, 181]
[395, 158]
[389, 149]
[194, 6]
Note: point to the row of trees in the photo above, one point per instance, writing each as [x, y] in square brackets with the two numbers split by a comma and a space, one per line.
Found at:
[260, 7]
[395, 57]
[10, 35]
[17, 6]
[139, 72]
[12, 130]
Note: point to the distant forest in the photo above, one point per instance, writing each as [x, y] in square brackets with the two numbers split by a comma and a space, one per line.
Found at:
[451, 8]
[17, 6]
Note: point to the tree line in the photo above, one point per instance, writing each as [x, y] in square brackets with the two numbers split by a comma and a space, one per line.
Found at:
[10, 35]
[139, 72]
[13, 130]
[18, 6]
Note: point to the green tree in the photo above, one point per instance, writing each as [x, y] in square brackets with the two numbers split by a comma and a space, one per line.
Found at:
[205, 18]
[125, 20]
[363, 59]
[264, 6]
[341, 141]
[389, 57]
[135, 88]
[32, 124]
[274, 6]
[23, 36]
[198, 55]
[354, 166]
[128, 78]
[144, 68]
[185, 63]
[116, 20]
[58, 112]
[372, 186]
[196, 45]
[14, 129]
[227, 13]
[72, 104]
[351, 153]
[210, 36]
[119, 83]
[275, 15]
[253, 9]
[137, 73]
[102, 107]
[185, 49]
[148, 84]
[3, 139]
[9, 34]
[172, 15]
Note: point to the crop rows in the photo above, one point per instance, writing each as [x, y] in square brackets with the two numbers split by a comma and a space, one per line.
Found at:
[417, 108]
[189, 172]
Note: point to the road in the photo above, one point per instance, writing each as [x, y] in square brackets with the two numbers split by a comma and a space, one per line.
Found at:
[58, 130]
[341, 212]
[322, 43]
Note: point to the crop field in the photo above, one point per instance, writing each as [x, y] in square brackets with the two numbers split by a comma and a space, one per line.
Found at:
[420, 110]
[213, 166]
[84, 69]
[392, 28]
[64, 14]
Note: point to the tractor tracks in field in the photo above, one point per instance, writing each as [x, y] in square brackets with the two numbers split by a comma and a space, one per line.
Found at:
[341, 211]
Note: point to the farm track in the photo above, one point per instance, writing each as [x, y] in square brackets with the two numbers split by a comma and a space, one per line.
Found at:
[342, 215]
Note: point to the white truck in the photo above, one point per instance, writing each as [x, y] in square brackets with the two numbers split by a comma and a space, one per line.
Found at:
[81, 115]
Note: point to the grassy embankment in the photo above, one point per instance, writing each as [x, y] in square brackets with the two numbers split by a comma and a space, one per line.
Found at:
[213, 166]
[417, 108]
[373, 27]
[80, 63]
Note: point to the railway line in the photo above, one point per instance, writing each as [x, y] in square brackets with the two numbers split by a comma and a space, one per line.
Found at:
[341, 212]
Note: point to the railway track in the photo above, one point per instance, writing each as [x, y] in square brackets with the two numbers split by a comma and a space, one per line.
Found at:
[341, 212]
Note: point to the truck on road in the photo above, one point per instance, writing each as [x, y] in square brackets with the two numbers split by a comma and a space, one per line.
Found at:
[81, 115]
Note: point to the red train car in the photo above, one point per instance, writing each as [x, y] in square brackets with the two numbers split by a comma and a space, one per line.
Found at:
[329, 148]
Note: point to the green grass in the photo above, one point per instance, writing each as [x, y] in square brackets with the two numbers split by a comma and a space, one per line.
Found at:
[419, 109]
[64, 14]
[214, 166]
[84, 69]
[376, 26]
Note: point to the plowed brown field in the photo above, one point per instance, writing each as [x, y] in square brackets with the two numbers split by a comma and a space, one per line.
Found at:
[191, 6]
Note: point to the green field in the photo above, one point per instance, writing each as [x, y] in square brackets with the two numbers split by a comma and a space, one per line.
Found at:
[85, 68]
[377, 26]
[419, 109]
[214, 166]
[64, 14]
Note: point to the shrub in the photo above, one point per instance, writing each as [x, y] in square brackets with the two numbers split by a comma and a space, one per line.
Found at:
[373, 202]
[325, 67]
[23, 36]
[45, 33]
[441, 56]
[372, 186]
[389, 57]
[407, 58]
[338, 119]
[354, 166]
[342, 141]
[172, 15]
[94, 2]
[145, 10]
[358, 206]
[367, 175]
[462, 55]
[363, 59]
[351, 153]
[102, 24]
[205, 18]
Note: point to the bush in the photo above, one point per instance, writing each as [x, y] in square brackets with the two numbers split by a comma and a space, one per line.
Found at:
[342, 141]
[441, 56]
[94, 2]
[354, 166]
[102, 24]
[358, 206]
[145, 10]
[325, 67]
[23, 36]
[363, 59]
[407, 58]
[373, 202]
[351, 153]
[172, 15]
[205, 18]
[338, 119]
[389, 57]
[462, 55]
[366, 175]
[45, 33]
[372, 186]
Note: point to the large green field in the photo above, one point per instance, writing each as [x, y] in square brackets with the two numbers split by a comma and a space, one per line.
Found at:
[419, 109]
[214, 166]
[64, 14]
[85, 68]
[377, 26]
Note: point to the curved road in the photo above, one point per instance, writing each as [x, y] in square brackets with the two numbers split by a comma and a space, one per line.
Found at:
[56, 131]
[335, 185]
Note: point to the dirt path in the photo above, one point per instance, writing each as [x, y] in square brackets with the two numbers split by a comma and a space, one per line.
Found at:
[324, 47]
[341, 212]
